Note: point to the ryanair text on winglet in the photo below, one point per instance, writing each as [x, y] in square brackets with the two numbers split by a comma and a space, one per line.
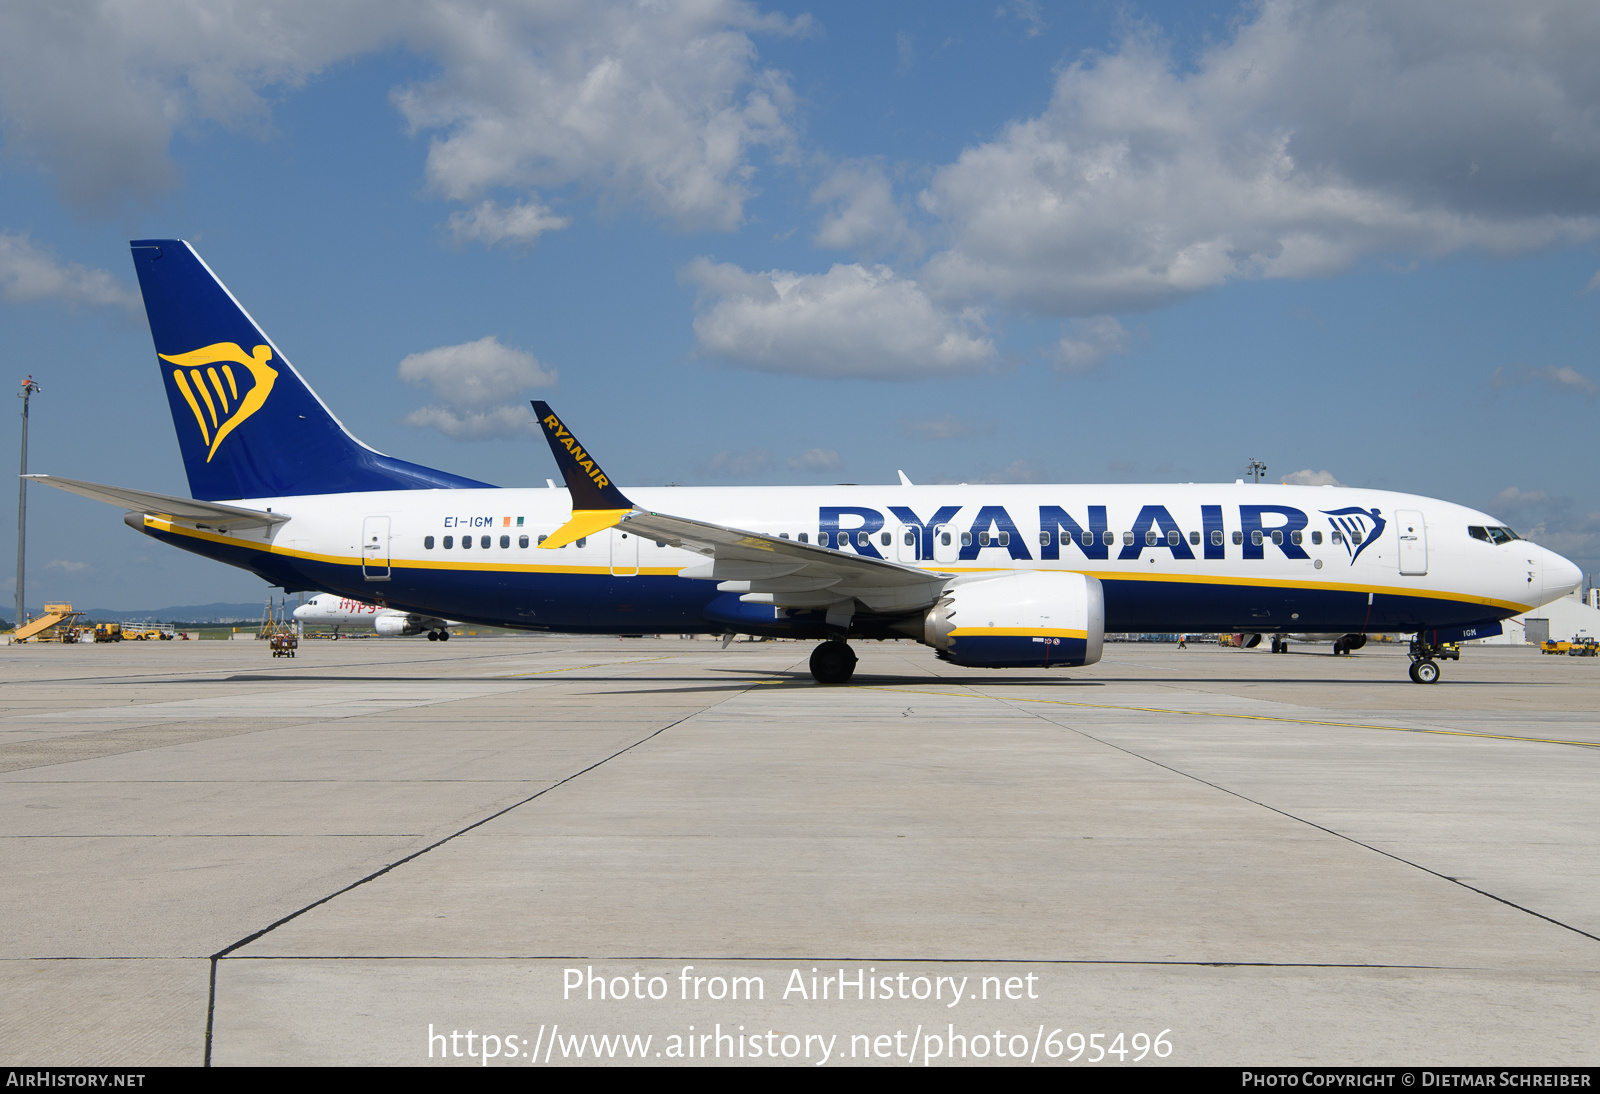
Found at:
[570, 443]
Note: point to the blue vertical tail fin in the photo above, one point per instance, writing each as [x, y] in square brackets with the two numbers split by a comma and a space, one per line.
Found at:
[248, 425]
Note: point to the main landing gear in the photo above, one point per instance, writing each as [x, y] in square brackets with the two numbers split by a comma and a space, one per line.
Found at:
[1424, 669]
[438, 636]
[1280, 644]
[833, 662]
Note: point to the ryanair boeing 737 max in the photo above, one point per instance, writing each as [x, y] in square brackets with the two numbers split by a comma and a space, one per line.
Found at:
[994, 576]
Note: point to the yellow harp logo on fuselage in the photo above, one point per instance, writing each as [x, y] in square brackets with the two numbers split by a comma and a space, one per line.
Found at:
[199, 380]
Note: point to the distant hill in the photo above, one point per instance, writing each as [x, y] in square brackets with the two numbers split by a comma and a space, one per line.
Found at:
[183, 613]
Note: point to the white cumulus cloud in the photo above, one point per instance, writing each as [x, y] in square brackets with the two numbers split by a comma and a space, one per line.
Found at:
[853, 321]
[1316, 134]
[471, 384]
[816, 459]
[1309, 477]
[28, 274]
[1561, 378]
[1090, 343]
[518, 225]
[662, 104]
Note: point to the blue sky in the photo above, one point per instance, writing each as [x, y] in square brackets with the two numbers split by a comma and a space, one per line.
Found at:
[745, 243]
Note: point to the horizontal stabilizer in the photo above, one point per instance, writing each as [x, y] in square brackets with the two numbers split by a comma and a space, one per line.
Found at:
[209, 513]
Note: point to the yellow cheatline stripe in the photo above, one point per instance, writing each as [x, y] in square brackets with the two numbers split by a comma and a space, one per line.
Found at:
[163, 525]
[1263, 583]
[1245, 717]
[1016, 632]
[669, 571]
[584, 522]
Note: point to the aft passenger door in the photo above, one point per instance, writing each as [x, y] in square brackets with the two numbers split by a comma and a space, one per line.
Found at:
[1413, 541]
[375, 548]
[946, 543]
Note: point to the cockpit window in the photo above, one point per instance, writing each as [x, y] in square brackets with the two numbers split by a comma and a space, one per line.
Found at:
[1492, 534]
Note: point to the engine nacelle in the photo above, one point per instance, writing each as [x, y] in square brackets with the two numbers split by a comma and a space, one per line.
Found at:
[1029, 619]
[396, 625]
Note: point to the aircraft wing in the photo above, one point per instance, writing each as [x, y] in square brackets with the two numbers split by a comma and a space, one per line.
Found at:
[763, 569]
[210, 514]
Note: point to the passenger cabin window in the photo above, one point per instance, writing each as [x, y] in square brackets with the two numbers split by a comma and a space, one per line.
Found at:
[1127, 539]
[1255, 538]
[584, 542]
[862, 539]
[1150, 538]
[1295, 537]
[427, 542]
[1173, 538]
[944, 539]
[484, 543]
[1194, 539]
[1216, 537]
[803, 539]
[1355, 537]
[1108, 538]
[543, 538]
[1316, 539]
[1238, 538]
[910, 538]
[1277, 535]
[886, 538]
[505, 542]
[522, 541]
[1045, 538]
[783, 535]
[1338, 536]
[983, 539]
[1005, 539]
[966, 539]
[1088, 539]
[466, 542]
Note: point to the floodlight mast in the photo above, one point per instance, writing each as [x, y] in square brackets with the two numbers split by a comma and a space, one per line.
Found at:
[1256, 468]
[28, 388]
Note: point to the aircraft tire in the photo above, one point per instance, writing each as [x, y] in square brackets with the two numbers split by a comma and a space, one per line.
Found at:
[444, 636]
[833, 663]
[1425, 672]
[433, 636]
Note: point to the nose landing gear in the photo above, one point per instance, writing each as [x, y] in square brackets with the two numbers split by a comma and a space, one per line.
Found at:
[833, 662]
[1424, 669]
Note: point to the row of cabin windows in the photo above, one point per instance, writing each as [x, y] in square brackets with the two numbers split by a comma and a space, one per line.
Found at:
[999, 539]
[485, 542]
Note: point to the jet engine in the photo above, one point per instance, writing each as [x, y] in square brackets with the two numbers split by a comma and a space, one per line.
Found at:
[1031, 619]
[396, 625]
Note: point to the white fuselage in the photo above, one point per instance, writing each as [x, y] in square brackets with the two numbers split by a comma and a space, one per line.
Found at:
[1223, 557]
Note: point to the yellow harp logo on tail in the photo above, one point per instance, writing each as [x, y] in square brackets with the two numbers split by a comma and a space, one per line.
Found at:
[201, 383]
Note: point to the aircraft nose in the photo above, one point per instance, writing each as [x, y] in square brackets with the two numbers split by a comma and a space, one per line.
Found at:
[1560, 576]
[300, 612]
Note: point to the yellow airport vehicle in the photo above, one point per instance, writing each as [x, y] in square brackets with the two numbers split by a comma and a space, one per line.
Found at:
[108, 632]
[48, 627]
